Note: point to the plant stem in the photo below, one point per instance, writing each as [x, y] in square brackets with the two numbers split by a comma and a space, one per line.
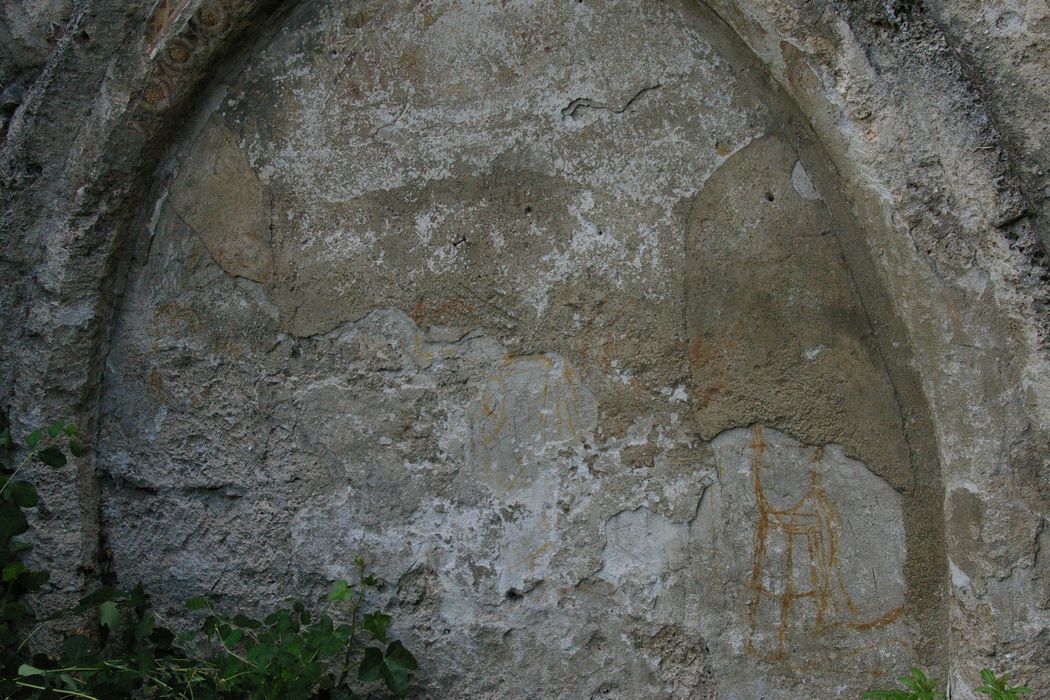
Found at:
[70, 693]
[21, 464]
[353, 631]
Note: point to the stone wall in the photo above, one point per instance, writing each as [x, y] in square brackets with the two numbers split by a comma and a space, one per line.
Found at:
[649, 349]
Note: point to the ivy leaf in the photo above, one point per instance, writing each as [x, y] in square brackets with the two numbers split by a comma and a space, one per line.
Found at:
[70, 430]
[34, 438]
[12, 570]
[340, 590]
[372, 665]
[138, 597]
[397, 681]
[52, 457]
[377, 623]
[329, 646]
[54, 429]
[15, 611]
[196, 603]
[109, 615]
[246, 622]
[231, 637]
[12, 521]
[77, 649]
[375, 666]
[397, 656]
[143, 629]
[76, 449]
[399, 664]
[22, 493]
[27, 670]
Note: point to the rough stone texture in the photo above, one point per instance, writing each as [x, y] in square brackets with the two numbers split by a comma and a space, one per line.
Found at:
[605, 328]
[1004, 46]
[588, 305]
[29, 30]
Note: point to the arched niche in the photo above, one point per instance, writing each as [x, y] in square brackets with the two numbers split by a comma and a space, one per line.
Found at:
[559, 317]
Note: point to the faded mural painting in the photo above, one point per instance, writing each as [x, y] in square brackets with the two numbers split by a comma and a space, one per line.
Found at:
[822, 567]
[595, 390]
[796, 562]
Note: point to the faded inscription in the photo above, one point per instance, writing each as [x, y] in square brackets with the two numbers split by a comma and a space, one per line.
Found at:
[527, 411]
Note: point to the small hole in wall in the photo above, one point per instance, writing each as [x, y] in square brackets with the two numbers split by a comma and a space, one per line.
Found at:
[527, 210]
[514, 594]
[770, 197]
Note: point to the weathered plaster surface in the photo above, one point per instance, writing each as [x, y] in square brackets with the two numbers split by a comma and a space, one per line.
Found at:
[505, 316]
[495, 293]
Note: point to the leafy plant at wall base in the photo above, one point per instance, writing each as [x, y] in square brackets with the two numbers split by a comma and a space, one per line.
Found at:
[291, 654]
[916, 687]
[129, 656]
[997, 688]
[47, 446]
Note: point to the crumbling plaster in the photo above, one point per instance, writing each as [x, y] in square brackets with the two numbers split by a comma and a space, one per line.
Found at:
[912, 131]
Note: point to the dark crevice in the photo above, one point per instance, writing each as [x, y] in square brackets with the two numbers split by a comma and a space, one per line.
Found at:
[572, 110]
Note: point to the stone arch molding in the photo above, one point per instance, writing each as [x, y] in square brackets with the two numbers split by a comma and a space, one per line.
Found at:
[965, 302]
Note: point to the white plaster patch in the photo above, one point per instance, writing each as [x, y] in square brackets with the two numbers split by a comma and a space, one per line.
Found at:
[644, 542]
[802, 183]
[811, 354]
[959, 577]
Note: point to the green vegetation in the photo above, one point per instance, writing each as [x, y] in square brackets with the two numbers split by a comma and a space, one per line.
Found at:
[128, 651]
[997, 688]
[918, 687]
